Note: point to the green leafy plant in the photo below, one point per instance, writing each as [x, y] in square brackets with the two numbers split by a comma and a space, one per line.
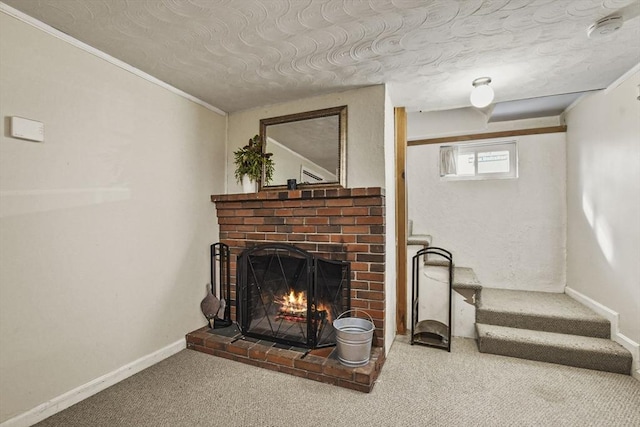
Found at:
[250, 160]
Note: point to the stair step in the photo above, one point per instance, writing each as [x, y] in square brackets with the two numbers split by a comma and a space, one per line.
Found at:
[572, 350]
[542, 311]
[419, 239]
[463, 277]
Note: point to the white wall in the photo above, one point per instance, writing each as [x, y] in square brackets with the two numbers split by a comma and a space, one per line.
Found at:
[105, 226]
[603, 195]
[365, 131]
[510, 232]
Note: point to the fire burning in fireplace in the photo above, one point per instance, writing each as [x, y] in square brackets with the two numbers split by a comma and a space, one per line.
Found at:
[293, 307]
[289, 296]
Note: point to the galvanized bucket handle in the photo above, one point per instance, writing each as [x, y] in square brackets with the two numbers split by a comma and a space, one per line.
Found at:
[355, 311]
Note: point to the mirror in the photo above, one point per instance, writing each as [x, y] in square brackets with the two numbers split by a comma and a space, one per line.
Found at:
[309, 147]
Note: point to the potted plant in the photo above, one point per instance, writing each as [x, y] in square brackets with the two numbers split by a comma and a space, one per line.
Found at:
[250, 161]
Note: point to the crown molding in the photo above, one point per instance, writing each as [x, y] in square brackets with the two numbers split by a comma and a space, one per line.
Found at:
[623, 78]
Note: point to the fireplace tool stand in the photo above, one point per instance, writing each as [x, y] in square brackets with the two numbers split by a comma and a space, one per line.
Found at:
[432, 332]
[221, 279]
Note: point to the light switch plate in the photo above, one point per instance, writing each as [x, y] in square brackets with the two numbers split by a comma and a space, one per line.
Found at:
[31, 130]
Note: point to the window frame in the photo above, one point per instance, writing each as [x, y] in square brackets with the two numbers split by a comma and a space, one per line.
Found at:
[510, 145]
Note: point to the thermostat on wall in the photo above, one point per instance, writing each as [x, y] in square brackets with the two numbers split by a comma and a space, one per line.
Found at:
[31, 130]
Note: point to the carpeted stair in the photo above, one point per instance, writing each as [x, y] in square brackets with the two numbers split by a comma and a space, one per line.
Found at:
[547, 327]
[463, 277]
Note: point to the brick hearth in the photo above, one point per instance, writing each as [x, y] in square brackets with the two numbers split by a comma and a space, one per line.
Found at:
[318, 365]
[339, 224]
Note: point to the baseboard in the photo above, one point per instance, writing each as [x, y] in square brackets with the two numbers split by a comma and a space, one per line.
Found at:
[78, 394]
[612, 316]
[602, 310]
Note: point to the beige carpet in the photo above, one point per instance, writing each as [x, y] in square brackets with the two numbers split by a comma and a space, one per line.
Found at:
[419, 386]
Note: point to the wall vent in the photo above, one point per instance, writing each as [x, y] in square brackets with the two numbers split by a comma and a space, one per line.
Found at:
[309, 176]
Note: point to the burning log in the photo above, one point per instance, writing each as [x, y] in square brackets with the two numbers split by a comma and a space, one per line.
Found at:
[293, 308]
[292, 317]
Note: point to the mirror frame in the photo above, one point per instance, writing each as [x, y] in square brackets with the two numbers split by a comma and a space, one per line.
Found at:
[341, 112]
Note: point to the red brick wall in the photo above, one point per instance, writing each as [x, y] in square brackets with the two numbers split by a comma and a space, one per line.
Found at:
[343, 224]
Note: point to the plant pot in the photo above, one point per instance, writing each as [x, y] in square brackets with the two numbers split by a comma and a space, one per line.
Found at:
[248, 185]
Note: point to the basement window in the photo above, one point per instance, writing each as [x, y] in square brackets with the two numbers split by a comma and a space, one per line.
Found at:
[479, 161]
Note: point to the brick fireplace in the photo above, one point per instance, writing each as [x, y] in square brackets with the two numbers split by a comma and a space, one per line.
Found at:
[336, 224]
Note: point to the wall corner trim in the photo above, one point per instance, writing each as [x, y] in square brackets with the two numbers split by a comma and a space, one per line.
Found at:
[623, 78]
[102, 55]
[84, 391]
[612, 316]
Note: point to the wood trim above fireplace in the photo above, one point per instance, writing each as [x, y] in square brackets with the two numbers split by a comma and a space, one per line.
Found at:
[321, 193]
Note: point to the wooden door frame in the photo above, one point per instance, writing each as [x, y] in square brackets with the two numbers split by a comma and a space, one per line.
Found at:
[400, 116]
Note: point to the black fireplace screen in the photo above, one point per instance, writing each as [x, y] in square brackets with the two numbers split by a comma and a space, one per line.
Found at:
[289, 296]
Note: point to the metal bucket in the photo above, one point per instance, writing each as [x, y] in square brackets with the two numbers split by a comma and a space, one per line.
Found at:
[353, 339]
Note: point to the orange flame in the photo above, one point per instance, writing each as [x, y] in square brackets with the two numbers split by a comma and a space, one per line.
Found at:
[325, 308]
[294, 307]
[294, 302]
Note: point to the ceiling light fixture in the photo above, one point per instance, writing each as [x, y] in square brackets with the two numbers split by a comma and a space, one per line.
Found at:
[482, 94]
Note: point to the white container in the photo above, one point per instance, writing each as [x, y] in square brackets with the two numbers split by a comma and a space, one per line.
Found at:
[248, 185]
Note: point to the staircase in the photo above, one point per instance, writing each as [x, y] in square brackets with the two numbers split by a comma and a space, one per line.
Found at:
[547, 327]
[542, 326]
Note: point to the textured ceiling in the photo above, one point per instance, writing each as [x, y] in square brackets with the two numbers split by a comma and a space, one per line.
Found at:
[239, 54]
